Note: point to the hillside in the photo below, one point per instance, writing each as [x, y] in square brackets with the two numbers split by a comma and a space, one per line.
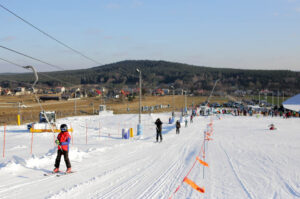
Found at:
[163, 74]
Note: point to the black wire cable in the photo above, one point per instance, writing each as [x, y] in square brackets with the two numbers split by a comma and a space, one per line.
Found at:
[39, 73]
[6, 48]
[51, 37]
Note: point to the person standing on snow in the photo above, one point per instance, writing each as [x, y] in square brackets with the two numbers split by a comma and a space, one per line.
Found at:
[63, 141]
[158, 124]
[178, 127]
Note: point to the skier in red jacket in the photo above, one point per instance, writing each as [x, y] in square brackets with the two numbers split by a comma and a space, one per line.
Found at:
[63, 141]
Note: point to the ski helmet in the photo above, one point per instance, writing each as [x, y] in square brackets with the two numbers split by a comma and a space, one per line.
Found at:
[63, 128]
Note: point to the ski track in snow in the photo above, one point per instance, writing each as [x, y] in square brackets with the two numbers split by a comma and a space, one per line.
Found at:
[256, 164]
[244, 187]
[123, 186]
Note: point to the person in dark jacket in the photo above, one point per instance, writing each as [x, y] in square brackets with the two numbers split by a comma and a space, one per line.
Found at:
[63, 141]
[158, 124]
[178, 127]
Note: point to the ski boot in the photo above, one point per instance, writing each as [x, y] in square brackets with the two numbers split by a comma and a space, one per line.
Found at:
[69, 170]
[55, 170]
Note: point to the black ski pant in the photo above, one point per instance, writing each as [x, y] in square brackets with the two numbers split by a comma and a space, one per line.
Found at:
[66, 157]
[158, 134]
[177, 131]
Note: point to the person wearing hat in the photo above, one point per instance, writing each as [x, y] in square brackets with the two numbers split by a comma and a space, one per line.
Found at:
[158, 124]
[63, 141]
[178, 127]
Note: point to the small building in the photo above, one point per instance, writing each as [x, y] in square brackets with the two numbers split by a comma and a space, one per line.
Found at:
[60, 89]
[166, 91]
[239, 93]
[7, 92]
[20, 89]
[46, 98]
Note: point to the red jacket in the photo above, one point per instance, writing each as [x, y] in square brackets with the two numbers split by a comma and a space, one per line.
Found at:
[64, 139]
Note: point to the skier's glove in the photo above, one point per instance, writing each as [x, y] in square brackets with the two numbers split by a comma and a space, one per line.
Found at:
[57, 142]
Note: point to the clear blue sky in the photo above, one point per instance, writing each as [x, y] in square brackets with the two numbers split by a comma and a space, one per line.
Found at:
[247, 34]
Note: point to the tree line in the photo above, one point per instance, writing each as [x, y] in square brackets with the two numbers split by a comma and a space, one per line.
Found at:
[163, 74]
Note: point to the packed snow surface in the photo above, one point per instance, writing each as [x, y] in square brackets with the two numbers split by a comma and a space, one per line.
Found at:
[246, 159]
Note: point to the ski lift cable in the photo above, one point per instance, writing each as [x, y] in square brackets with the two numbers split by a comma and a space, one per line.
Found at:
[48, 35]
[39, 73]
[30, 57]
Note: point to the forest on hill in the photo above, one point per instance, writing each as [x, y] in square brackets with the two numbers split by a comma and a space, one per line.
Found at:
[159, 74]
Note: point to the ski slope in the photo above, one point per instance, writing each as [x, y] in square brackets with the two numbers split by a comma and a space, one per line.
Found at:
[246, 160]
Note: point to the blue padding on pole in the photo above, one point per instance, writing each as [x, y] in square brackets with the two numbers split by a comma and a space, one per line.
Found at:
[139, 129]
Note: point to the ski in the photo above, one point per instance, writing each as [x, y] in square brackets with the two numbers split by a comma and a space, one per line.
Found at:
[64, 173]
[50, 173]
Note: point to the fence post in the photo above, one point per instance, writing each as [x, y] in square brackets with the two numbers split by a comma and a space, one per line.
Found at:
[204, 152]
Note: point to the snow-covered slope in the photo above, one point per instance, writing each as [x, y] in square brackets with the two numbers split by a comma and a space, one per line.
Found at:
[246, 160]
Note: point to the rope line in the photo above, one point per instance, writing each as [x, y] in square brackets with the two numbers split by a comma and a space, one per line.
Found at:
[30, 57]
[43, 74]
[49, 36]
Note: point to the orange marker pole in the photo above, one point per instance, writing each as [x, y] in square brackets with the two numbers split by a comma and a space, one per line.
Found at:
[4, 140]
[204, 151]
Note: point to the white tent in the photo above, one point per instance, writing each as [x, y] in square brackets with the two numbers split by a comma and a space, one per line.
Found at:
[292, 103]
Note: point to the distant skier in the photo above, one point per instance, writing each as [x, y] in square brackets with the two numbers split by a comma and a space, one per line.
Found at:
[158, 124]
[178, 127]
[191, 118]
[186, 122]
[272, 127]
[63, 141]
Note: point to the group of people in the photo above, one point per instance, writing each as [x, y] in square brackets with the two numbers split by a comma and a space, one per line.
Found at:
[64, 138]
[265, 112]
[159, 123]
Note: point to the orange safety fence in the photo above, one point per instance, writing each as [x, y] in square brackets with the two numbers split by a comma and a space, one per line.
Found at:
[205, 164]
[202, 162]
[193, 185]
